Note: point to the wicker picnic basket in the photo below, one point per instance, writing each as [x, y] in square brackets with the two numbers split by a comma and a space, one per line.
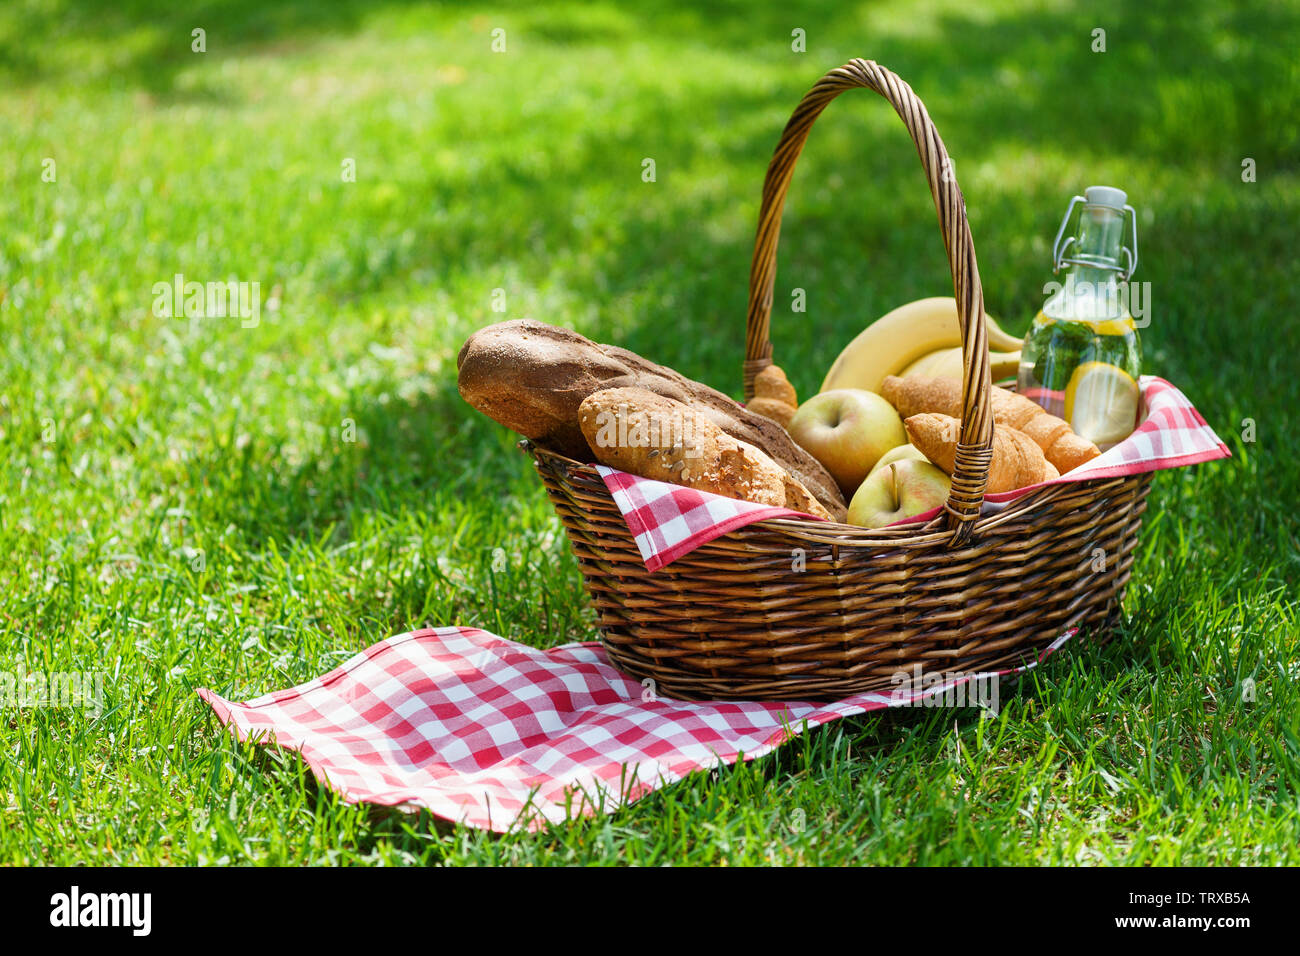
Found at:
[786, 609]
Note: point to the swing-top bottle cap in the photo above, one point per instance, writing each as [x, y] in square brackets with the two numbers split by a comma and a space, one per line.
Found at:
[1105, 196]
[1096, 200]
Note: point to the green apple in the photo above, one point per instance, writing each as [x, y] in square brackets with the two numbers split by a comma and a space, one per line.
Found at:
[897, 491]
[847, 430]
[901, 453]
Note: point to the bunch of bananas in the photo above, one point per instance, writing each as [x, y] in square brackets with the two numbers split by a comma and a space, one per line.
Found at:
[920, 338]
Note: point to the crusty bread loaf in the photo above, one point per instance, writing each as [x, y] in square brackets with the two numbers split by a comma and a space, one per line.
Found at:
[532, 377]
[799, 498]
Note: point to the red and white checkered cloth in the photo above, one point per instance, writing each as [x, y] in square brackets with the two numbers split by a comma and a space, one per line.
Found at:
[497, 735]
[669, 521]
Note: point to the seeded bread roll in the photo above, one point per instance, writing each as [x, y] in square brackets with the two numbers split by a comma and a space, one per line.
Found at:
[646, 434]
[643, 433]
[531, 377]
[799, 498]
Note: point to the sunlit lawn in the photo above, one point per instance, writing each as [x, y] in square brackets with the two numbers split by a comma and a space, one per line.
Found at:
[181, 503]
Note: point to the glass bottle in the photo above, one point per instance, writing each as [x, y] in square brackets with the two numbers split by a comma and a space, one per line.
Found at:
[1082, 357]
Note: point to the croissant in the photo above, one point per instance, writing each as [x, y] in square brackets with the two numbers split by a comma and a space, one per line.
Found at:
[1061, 446]
[1017, 460]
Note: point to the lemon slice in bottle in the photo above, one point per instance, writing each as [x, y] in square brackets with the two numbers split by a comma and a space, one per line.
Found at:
[1101, 403]
[1114, 326]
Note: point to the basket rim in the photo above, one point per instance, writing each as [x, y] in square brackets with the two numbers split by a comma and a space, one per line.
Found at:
[850, 535]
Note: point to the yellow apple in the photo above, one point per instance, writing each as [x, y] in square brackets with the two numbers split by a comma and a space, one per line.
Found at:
[847, 430]
[897, 491]
[901, 453]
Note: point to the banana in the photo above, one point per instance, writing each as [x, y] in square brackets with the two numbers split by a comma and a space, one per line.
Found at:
[893, 342]
[901, 337]
[946, 363]
[936, 364]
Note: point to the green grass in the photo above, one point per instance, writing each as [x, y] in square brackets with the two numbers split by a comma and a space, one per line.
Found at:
[179, 508]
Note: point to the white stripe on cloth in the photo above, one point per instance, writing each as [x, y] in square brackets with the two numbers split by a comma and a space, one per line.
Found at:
[497, 735]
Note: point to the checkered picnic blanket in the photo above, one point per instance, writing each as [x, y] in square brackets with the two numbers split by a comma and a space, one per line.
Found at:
[497, 735]
[668, 521]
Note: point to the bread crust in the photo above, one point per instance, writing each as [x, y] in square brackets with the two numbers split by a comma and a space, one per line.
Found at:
[641, 432]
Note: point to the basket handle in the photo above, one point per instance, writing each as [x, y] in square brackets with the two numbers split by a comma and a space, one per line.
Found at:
[974, 448]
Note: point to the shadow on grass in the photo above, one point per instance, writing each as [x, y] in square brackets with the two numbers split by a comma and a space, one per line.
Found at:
[1181, 85]
[860, 233]
[146, 42]
[385, 455]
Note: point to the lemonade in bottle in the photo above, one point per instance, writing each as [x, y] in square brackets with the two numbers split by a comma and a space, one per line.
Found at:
[1082, 357]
